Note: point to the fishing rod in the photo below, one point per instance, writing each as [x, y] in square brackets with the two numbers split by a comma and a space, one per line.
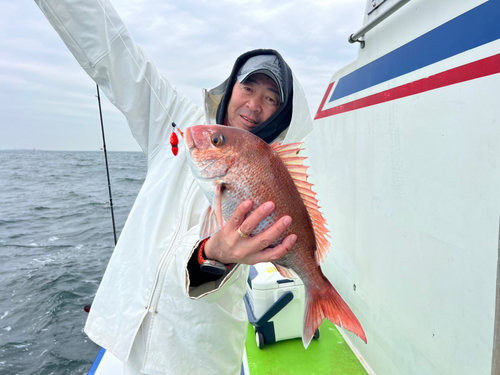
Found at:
[107, 168]
[88, 307]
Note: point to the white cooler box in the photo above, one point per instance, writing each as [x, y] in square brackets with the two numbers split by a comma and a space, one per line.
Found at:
[275, 305]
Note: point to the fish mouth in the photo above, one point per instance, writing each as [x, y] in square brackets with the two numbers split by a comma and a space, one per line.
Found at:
[207, 169]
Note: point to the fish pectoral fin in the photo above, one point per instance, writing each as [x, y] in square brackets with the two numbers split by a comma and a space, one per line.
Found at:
[217, 203]
[285, 272]
[210, 224]
[213, 221]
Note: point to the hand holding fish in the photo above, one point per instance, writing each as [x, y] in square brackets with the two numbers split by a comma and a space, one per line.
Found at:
[229, 246]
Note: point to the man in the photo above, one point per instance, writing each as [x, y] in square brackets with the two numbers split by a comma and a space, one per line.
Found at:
[155, 310]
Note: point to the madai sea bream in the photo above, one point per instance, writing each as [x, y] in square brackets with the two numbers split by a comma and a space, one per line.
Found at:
[233, 165]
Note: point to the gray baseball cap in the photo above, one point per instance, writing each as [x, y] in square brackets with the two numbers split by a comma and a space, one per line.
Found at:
[265, 64]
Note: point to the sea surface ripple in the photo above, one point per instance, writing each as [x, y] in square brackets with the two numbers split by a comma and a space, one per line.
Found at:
[56, 238]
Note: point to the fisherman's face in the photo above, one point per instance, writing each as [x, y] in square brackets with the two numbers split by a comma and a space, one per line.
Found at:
[252, 102]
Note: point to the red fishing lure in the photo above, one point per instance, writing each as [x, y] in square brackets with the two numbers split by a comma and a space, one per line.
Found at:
[174, 140]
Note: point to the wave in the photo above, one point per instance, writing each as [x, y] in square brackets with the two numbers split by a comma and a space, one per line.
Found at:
[131, 179]
[41, 208]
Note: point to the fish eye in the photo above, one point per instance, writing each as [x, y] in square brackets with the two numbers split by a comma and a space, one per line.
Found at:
[217, 140]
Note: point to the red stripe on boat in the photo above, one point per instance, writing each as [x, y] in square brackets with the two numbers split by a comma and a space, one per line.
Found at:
[467, 72]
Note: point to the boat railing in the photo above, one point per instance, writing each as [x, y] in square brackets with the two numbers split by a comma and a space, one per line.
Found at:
[355, 37]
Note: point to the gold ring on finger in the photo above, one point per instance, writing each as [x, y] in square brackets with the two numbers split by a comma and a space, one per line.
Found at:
[241, 233]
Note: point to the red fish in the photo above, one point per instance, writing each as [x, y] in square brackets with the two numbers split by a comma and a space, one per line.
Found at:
[233, 165]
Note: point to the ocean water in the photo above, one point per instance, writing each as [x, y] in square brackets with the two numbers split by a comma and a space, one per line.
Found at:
[56, 238]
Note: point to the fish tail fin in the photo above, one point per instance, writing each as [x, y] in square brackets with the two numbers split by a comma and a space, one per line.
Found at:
[327, 303]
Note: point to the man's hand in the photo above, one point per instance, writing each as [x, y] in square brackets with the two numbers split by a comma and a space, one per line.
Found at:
[228, 246]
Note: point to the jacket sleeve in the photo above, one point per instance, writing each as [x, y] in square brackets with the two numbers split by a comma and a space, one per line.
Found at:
[102, 45]
[228, 289]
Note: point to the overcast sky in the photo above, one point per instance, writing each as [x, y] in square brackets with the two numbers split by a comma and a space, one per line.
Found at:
[47, 101]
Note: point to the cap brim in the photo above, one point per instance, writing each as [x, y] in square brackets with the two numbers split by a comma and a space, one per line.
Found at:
[242, 77]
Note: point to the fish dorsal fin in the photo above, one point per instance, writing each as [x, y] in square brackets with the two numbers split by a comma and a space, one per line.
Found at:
[295, 165]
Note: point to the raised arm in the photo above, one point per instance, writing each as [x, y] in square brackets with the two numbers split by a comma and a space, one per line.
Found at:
[95, 34]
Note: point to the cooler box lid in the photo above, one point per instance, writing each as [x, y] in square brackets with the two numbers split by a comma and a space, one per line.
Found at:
[265, 276]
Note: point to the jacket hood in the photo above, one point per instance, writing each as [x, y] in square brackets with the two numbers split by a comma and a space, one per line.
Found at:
[292, 120]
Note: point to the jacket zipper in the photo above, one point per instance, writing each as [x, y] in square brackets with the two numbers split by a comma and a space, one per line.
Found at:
[167, 257]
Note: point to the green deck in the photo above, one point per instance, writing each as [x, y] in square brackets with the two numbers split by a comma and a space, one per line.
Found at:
[329, 355]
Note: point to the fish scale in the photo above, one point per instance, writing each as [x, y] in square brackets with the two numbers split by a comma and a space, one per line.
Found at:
[249, 187]
[243, 167]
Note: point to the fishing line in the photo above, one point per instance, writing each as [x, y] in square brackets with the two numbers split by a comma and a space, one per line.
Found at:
[107, 167]
[100, 112]
[175, 148]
